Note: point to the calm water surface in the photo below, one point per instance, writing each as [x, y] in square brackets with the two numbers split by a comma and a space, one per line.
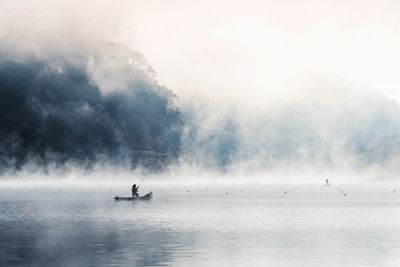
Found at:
[311, 225]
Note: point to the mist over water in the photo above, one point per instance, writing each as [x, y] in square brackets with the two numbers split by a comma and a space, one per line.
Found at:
[250, 226]
[267, 131]
[76, 95]
[105, 105]
[338, 129]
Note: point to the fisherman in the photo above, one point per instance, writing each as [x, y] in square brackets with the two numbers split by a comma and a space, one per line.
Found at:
[135, 192]
[327, 182]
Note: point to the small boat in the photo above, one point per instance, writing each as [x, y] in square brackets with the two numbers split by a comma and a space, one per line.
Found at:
[148, 196]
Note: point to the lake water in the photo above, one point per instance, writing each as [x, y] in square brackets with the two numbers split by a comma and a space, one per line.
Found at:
[310, 225]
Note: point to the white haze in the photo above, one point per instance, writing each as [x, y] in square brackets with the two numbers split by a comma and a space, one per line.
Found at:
[253, 51]
[262, 51]
[251, 59]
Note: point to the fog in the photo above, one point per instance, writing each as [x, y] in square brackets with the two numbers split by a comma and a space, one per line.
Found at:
[250, 90]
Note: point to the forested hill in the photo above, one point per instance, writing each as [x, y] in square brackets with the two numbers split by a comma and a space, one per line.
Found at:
[81, 108]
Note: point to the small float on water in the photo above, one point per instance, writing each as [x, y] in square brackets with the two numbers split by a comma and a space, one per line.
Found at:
[148, 196]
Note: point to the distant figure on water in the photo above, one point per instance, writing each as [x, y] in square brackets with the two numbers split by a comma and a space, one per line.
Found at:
[135, 191]
[327, 182]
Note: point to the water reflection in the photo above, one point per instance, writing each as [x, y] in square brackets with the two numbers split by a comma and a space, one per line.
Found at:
[312, 228]
[70, 236]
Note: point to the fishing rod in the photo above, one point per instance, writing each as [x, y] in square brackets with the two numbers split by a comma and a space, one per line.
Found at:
[144, 178]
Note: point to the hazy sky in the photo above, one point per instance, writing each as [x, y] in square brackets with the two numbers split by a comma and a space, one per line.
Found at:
[265, 49]
[251, 50]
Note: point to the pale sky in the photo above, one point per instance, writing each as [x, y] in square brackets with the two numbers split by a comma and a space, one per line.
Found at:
[249, 50]
[258, 49]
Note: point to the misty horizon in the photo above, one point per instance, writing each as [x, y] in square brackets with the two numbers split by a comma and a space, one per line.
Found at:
[199, 133]
[277, 100]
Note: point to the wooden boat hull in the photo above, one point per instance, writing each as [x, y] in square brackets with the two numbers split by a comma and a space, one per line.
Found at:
[148, 196]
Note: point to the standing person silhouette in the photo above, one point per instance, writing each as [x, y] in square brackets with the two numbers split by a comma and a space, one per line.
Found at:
[135, 191]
